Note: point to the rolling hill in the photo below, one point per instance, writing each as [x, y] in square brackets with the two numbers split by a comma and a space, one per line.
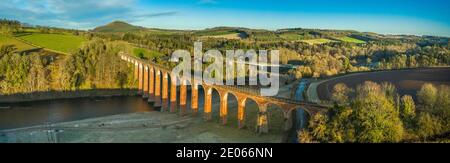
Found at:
[310, 36]
[118, 26]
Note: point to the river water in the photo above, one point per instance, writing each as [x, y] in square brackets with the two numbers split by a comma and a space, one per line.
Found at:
[28, 114]
[300, 120]
[41, 112]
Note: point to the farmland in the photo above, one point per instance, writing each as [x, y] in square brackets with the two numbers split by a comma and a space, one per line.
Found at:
[20, 46]
[351, 40]
[141, 52]
[232, 36]
[406, 81]
[59, 42]
[291, 36]
[317, 41]
[215, 32]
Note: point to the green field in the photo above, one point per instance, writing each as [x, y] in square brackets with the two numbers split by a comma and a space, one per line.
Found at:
[265, 36]
[317, 41]
[146, 53]
[4, 40]
[160, 32]
[291, 36]
[352, 40]
[214, 32]
[58, 42]
[231, 36]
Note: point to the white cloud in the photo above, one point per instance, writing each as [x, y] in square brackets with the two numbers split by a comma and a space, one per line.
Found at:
[80, 14]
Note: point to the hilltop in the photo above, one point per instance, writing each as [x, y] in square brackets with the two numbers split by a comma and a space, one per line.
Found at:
[118, 26]
[310, 36]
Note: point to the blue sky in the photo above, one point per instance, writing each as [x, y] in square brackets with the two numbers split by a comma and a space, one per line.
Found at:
[420, 17]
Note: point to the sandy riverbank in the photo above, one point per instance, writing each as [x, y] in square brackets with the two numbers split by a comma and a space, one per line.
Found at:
[154, 127]
[150, 127]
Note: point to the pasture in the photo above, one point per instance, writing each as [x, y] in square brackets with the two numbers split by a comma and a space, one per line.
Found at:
[291, 36]
[20, 46]
[351, 40]
[317, 41]
[146, 53]
[59, 42]
[231, 36]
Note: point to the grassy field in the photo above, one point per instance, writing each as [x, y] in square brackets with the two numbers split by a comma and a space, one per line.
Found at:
[291, 36]
[317, 41]
[161, 32]
[59, 42]
[4, 40]
[146, 53]
[214, 32]
[265, 36]
[352, 40]
[231, 36]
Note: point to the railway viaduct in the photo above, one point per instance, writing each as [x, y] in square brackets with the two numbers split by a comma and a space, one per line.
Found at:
[154, 84]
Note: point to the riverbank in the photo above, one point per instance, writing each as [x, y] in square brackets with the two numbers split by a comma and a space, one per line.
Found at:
[55, 95]
[148, 127]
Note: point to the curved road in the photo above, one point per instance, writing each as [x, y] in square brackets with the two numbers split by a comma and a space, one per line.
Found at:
[311, 92]
[407, 81]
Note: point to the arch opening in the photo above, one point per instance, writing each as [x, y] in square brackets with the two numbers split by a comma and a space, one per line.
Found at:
[158, 89]
[173, 94]
[301, 119]
[185, 100]
[215, 105]
[251, 110]
[276, 119]
[201, 98]
[231, 110]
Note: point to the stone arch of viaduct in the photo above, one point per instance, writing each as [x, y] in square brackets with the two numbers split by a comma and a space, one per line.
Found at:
[156, 81]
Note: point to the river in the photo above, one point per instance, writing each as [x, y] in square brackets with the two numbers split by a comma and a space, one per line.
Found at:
[300, 120]
[27, 114]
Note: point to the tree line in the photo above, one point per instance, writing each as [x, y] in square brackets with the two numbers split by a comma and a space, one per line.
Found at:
[320, 60]
[376, 114]
[94, 66]
[9, 27]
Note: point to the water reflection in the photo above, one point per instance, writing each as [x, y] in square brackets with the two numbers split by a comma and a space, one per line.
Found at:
[37, 113]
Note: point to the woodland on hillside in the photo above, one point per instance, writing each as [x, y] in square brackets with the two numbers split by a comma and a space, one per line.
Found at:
[375, 114]
[378, 114]
[89, 63]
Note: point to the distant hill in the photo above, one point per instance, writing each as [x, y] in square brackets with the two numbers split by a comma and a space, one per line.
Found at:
[223, 32]
[118, 26]
[312, 36]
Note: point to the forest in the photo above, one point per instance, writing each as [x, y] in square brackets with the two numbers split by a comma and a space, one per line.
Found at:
[344, 54]
[377, 114]
[318, 60]
[94, 66]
